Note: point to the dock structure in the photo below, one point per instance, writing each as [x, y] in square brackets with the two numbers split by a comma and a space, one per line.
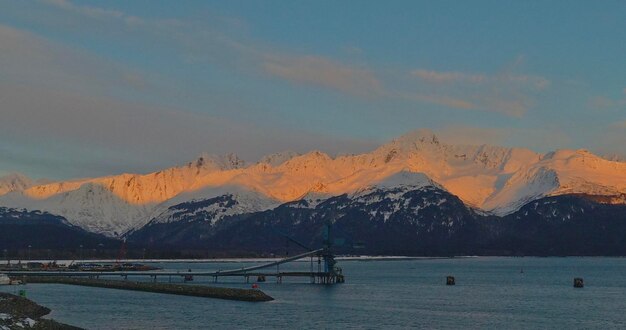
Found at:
[326, 271]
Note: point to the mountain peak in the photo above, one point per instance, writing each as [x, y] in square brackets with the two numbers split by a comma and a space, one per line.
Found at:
[414, 138]
[225, 162]
[278, 158]
[569, 153]
[14, 182]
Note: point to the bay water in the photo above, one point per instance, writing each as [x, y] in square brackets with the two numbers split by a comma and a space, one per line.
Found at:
[490, 292]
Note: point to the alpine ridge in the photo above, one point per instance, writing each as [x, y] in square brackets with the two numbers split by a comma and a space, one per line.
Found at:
[488, 179]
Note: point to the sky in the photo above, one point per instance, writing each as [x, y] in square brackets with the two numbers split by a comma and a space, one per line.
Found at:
[95, 88]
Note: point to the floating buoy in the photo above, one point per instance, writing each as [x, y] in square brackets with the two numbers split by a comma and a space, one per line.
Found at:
[450, 280]
[578, 282]
[255, 286]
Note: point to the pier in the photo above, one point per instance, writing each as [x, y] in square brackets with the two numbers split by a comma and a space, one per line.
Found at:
[323, 271]
[326, 273]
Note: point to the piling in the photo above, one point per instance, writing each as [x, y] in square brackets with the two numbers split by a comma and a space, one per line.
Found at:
[578, 282]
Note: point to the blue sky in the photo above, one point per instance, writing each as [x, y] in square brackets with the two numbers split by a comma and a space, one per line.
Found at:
[92, 88]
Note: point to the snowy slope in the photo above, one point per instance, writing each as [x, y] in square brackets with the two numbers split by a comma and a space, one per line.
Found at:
[558, 173]
[91, 206]
[212, 205]
[494, 179]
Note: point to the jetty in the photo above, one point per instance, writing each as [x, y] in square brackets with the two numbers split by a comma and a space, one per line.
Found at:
[167, 288]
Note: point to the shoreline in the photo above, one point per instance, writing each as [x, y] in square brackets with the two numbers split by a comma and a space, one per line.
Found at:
[229, 260]
[21, 313]
[254, 260]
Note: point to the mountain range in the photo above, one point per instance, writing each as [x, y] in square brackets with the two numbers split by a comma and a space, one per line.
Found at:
[413, 195]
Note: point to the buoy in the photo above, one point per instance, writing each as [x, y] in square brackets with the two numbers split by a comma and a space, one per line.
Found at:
[578, 282]
[450, 280]
[255, 286]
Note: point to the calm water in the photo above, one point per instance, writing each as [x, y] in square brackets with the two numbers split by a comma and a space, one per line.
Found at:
[490, 293]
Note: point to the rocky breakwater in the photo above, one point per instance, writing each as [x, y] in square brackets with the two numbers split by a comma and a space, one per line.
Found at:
[167, 288]
[20, 313]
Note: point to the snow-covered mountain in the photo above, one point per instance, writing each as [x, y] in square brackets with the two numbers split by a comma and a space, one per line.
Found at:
[493, 179]
[114, 205]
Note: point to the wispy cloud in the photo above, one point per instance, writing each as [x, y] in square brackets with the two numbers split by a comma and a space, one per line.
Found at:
[506, 92]
[92, 12]
[452, 77]
[619, 124]
[211, 44]
[440, 100]
[124, 136]
[60, 107]
[603, 102]
[324, 72]
[448, 77]
[32, 60]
